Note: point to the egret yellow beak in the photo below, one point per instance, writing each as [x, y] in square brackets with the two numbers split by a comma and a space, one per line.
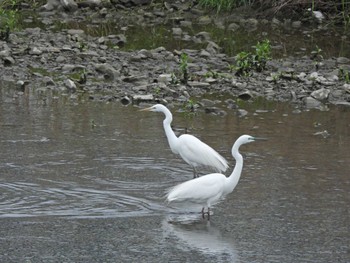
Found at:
[146, 109]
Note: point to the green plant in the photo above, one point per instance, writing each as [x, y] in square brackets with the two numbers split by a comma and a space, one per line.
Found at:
[184, 67]
[344, 75]
[189, 108]
[174, 79]
[212, 74]
[8, 18]
[247, 61]
[262, 55]
[316, 54]
[224, 5]
[244, 63]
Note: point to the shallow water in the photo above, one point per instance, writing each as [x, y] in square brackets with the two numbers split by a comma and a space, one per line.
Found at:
[84, 181]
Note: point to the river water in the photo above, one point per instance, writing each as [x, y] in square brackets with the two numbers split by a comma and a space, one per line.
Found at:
[84, 181]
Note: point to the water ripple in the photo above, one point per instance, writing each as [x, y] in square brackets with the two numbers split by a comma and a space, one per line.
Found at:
[20, 199]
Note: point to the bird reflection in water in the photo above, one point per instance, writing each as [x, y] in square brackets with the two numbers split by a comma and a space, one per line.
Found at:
[189, 234]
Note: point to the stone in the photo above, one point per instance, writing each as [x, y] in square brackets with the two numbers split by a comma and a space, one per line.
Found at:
[51, 5]
[233, 27]
[8, 61]
[310, 102]
[204, 20]
[320, 94]
[70, 85]
[296, 24]
[207, 102]
[343, 60]
[246, 95]
[89, 3]
[250, 24]
[107, 70]
[125, 100]
[165, 78]
[4, 53]
[177, 31]
[49, 81]
[242, 112]
[35, 51]
[213, 48]
[147, 97]
[78, 32]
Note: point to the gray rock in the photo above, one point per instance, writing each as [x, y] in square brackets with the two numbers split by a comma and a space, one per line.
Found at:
[204, 20]
[5, 53]
[35, 51]
[49, 81]
[207, 102]
[70, 85]
[90, 3]
[186, 23]
[296, 24]
[119, 40]
[320, 94]
[139, 98]
[343, 60]
[107, 70]
[78, 32]
[125, 100]
[246, 95]
[242, 112]
[310, 102]
[213, 48]
[198, 84]
[177, 31]
[233, 27]
[215, 111]
[203, 36]
[165, 78]
[249, 24]
[8, 61]
[68, 5]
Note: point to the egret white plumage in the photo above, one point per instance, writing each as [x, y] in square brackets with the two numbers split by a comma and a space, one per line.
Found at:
[211, 188]
[191, 149]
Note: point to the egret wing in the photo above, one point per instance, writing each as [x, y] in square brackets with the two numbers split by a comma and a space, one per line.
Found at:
[198, 190]
[195, 153]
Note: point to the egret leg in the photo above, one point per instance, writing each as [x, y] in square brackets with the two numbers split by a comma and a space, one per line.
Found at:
[203, 213]
[195, 174]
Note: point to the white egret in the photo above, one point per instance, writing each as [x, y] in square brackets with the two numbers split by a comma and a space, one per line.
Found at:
[211, 188]
[191, 149]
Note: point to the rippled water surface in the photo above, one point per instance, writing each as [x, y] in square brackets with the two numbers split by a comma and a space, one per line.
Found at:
[84, 181]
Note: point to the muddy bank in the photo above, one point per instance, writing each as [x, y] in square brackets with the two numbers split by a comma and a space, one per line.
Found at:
[74, 63]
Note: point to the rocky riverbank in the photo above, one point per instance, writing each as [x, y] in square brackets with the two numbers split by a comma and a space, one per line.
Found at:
[73, 63]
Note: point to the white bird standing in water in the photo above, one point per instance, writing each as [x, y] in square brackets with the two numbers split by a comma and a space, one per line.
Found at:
[192, 150]
[211, 188]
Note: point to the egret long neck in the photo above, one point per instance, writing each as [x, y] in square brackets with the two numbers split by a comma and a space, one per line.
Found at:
[172, 139]
[237, 171]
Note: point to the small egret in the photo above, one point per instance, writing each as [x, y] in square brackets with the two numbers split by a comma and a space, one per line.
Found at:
[211, 188]
[191, 149]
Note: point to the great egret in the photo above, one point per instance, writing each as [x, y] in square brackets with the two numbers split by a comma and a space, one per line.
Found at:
[211, 188]
[191, 149]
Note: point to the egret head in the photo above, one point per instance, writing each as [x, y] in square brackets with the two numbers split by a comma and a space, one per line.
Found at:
[247, 139]
[156, 108]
